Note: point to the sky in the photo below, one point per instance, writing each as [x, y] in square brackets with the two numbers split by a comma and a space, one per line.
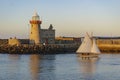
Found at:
[71, 18]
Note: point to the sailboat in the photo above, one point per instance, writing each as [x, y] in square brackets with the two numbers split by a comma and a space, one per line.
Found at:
[88, 48]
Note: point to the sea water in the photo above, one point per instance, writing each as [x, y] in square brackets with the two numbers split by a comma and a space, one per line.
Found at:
[59, 67]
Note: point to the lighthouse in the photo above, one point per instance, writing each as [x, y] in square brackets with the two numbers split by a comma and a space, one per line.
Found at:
[35, 29]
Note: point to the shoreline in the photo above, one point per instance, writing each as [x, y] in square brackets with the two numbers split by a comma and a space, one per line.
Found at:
[37, 49]
[52, 49]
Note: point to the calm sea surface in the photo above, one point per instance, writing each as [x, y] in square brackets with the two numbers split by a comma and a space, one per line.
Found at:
[59, 67]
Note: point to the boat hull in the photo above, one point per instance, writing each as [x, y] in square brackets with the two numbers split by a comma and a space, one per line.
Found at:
[87, 55]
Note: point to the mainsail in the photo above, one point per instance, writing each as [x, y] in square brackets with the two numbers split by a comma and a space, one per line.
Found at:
[88, 46]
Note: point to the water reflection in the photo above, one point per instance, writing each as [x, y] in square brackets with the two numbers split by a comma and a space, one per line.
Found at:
[88, 67]
[59, 67]
[42, 67]
[34, 66]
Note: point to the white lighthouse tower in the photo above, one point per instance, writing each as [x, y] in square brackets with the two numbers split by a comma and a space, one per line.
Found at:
[35, 29]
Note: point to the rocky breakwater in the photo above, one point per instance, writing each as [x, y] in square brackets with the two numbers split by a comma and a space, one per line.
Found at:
[38, 49]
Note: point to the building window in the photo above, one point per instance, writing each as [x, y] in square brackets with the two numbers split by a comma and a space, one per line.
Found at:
[32, 25]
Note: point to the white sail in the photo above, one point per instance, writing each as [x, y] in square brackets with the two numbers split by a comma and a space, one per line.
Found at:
[86, 45]
[95, 48]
